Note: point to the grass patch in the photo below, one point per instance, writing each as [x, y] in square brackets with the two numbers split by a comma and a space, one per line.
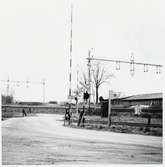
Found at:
[123, 124]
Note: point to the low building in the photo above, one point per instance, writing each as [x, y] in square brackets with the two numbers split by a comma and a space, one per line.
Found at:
[153, 100]
[141, 99]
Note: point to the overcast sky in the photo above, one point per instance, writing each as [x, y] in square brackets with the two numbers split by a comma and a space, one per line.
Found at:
[35, 34]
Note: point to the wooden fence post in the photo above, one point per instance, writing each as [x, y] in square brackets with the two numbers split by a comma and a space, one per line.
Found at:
[109, 109]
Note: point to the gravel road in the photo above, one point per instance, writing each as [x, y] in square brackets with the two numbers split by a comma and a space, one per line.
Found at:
[43, 140]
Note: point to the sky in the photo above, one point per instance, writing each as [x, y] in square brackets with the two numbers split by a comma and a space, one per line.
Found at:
[35, 36]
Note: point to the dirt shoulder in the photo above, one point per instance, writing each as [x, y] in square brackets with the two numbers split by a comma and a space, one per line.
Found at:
[43, 140]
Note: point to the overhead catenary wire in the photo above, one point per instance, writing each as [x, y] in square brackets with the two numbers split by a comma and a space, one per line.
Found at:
[27, 82]
[127, 62]
[132, 64]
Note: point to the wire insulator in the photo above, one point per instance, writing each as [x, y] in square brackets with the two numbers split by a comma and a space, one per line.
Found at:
[157, 69]
[145, 67]
[132, 65]
[27, 82]
[117, 65]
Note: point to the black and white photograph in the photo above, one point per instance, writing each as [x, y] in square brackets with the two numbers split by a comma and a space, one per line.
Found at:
[82, 82]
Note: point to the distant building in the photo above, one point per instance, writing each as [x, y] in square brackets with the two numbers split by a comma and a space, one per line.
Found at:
[143, 99]
[53, 102]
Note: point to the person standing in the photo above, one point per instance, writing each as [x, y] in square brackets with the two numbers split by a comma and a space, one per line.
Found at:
[24, 114]
[67, 116]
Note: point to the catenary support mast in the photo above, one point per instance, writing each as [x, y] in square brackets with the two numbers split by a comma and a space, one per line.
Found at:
[70, 64]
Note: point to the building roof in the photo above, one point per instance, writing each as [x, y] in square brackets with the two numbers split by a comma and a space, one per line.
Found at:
[144, 96]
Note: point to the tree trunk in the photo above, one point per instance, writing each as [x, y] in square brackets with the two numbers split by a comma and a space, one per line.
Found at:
[97, 94]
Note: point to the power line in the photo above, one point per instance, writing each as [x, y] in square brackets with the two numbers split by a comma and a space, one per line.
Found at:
[132, 64]
[121, 61]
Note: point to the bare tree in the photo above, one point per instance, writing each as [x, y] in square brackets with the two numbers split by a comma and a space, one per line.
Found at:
[7, 99]
[82, 86]
[84, 81]
[78, 91]
[100, 76]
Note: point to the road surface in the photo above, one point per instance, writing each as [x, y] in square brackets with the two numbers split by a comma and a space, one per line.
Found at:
[43, 140]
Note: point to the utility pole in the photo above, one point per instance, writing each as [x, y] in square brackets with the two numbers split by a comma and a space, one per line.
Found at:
[7, 87]
[43, 90]
[132, 65]
[89, 78]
